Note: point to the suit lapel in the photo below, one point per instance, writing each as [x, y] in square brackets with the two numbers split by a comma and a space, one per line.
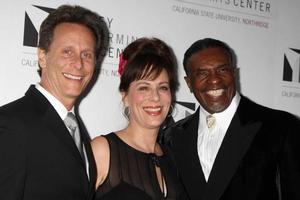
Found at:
[52, 120]
[186, 156]
[58, 128]
[89, 154]
[233, 148]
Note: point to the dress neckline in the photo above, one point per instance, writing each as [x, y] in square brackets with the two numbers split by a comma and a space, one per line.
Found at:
[152, 155]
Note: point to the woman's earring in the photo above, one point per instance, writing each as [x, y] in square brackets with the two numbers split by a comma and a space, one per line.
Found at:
[127, 112]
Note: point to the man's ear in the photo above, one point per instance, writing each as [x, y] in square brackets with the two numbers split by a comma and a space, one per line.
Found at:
[41, 57]
[236, 71]
[188, 82]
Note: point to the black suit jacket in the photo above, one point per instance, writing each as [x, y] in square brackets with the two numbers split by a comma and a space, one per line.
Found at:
[38, 157]
[258, 158]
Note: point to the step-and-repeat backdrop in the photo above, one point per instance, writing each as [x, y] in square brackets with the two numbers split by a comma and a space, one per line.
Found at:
[264, 34]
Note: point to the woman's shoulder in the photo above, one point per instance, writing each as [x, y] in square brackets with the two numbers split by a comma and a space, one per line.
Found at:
[99, 141]
[100, 147]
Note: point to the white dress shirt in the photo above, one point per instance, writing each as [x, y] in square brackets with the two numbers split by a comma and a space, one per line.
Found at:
[57, 105]
[208, 143]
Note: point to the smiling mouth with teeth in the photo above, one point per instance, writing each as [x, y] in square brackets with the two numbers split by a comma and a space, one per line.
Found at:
[153, 111]
[215, 93]
[70, 76]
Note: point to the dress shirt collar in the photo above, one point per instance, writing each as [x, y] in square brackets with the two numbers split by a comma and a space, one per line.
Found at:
[58, 106]
[224, 118]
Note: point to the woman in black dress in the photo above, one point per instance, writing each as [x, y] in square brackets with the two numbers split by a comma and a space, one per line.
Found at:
[130, 162]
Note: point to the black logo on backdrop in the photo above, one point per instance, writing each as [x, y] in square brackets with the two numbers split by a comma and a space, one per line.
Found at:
[288, 70]
[187, 105]
[191, 106]
[30, 32]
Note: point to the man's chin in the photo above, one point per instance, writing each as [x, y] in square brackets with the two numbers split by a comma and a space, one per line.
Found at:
[217, 108]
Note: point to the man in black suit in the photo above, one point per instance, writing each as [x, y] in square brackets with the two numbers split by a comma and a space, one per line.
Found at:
[39, 158]
[232, 148]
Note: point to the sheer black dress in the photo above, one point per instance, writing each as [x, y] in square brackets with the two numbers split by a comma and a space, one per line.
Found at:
[132, 174]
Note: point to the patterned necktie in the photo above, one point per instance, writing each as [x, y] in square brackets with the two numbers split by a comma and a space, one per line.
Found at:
[211, 122]
[71, 123]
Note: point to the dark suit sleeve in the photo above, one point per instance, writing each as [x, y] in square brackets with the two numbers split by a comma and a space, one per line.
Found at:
[289, 161]
[12, 159]
[164, 134]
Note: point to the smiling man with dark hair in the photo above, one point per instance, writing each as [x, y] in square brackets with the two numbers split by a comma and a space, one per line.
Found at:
[232, 148]
[45, 151]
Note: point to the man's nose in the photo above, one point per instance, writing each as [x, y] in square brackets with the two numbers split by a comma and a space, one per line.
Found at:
[214, 77]
[77, 62]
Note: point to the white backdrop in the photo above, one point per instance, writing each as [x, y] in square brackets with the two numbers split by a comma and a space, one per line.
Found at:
[261, 32]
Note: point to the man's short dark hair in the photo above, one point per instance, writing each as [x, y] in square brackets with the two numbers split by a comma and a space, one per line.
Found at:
[205, 44]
